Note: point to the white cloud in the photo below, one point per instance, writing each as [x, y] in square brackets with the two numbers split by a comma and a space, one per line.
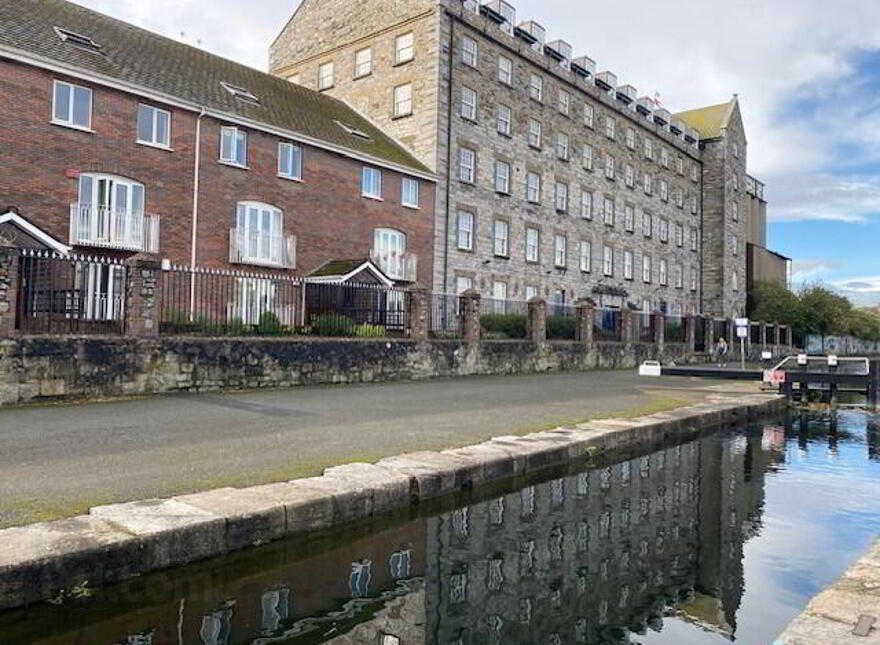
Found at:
[810, 270]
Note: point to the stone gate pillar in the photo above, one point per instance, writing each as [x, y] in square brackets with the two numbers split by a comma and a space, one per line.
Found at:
[536, 324]
[469, 316]
[9, 280]
[419, 314]
[586, 314]
[142, 295]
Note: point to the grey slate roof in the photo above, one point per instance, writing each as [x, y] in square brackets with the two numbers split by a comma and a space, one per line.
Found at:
[148, 60]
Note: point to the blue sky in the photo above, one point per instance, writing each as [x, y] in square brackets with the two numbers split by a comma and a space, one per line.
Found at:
[807, 75]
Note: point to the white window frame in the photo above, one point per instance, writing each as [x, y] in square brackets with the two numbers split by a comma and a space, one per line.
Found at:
[628, 261]
[630, 138]
[586, 256]
[664, 229]
[260, 231]
[587, 157]
[629, 176]
[502, 177]
[535, 134]
[505, 70]
[587, 200]
[469, 101]
[363, 67]
[649, 148]
[464, 236]
[533, 244]
[560, 197]
[536, 87]
[403, 52]
[589, 116]
[664, 157]
[608, 261]
[501, 238]
[470, 52]
[562, 146]
[389, 246]
[295, 164]
[560, 250]
[647, 224]
[679, 235]
[467, 165]
[371, 183]
[410, 191]
[678, 273]
[610, 127]
[463, 283]
[71, 103]
[648, 182]
[664, 190]
[664, 272]
[629, 218]
[503, 119]
[326, 73]
[694, 278]
[533, 187]
[402, 98]
[240, 139]
[609, 166]
[694, 239]
[154, 116]
[564, 101]
[608, 211]
[647, 267]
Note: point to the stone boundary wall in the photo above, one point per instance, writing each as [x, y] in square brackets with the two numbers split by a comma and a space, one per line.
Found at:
[113, 543]
[42, 368]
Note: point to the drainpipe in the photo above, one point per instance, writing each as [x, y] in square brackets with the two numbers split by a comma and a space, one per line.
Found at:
[451, 61]
[195, 215]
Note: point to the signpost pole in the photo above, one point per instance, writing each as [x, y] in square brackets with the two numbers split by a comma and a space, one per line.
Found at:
[742, 352]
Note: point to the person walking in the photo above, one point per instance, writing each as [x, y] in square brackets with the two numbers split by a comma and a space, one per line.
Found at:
[721, 350]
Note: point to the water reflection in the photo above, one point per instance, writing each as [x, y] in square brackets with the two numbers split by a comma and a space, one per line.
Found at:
[634, 551]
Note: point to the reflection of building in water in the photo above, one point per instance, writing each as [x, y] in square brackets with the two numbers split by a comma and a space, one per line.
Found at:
[584, 558]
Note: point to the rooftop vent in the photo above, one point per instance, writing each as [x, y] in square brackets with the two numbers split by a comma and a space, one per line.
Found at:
[662, 116]
[691, 135]
[533, 33]
[584, 66]
[500, 12]
[240, 93]
[677, 126]
[645, 105]
[84, 42]
[558, 50]
[471, 5]
[626, 94]
[353, 131]
[607, 81]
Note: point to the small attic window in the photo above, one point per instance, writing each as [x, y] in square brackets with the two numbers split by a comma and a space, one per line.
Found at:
[77, 39]
[240, 92]
[353, 131]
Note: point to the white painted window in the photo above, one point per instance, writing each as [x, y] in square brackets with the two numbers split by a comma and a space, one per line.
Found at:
[679, 235]
[467, 165]
[533, 187]
[678, 272]
[499, 295]
[664, 229]
[694, 278]
[560, 250]
[325, 76]
[72, 105]
[694, 239]
[389, 248]
[153, 126]
[535, 133]
[536, 87]
[259, 233]
[371, 183]
[468, 103]
[627, 265]
[503, 117]
[409, 192]
[680, 164]
[290, 158]
[734, 211]
[463, 283]
[110, 212]
[588, 156]
[695, 172]
[664, 278]
[562, 145]
[630, 138]
[586, 256]
[587, 204]
[649, 148]
[610, 127]
[664, 157]
[664, 190]
[363, 62]
[469, 51]
[502, 177]
[609, 167]
[630, 175]
[608, 261]
[647, 224]
[404, 48]
[531, 293]
[734, 281]
[589, 115]
[564, 102]
[629, 218]
[501, 238]
[646, 269]
[648, 181]
[679, 197]
[233, 146]
[694, 207]
[734, 244]
[505, 70]
[403, 103]
[561, 197]
[465, 233]
[609, 211]
[533, 245]
[735, 149]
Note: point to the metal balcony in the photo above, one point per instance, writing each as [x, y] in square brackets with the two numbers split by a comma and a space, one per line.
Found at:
[397, 266]
[103, 227]
[263, 249]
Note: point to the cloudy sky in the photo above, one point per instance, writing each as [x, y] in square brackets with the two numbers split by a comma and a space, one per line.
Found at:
[807, 73]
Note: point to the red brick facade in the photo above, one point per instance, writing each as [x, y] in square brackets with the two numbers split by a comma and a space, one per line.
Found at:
[40, 163]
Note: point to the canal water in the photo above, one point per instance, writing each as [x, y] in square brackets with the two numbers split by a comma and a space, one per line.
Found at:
[722, 538]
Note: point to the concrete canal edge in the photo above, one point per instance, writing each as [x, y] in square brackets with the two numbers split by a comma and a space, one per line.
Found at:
[113, 543]
[832, 615]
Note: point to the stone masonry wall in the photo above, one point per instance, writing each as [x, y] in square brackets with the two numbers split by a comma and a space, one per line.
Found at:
[46, 368]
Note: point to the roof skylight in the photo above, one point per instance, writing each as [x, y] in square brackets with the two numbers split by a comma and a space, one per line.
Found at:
[353, 131]
[240, 92]
[77, 39]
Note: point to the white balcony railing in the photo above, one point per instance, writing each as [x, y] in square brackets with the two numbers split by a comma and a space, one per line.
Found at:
[92, 225]
[265, 249]
[397, 266]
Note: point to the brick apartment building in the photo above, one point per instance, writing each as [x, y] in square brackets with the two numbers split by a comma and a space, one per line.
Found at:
[118, 141]
[553, 179]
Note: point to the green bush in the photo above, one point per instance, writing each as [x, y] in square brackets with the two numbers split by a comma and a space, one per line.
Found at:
[561, 327]
[369, 331]
[269, 325]
[510, 325]
[333, 325]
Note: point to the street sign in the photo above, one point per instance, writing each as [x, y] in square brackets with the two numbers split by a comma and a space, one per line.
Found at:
[774, 377]
[742, 332]
[742, 322]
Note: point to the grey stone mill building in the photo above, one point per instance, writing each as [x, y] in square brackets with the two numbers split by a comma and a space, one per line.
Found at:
[554, 179]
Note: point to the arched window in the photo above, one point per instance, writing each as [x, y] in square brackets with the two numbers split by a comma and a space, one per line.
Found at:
[110, 212]
[389, 251]
[258, 237]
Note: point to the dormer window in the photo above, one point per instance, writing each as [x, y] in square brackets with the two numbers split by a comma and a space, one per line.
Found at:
[240, 92]
[79, 40]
